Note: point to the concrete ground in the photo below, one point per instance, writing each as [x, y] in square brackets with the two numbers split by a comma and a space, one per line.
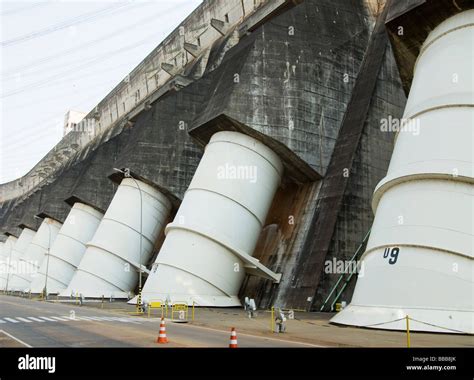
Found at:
[31, 323]
[311, 328]
[315, 328]
[116, 325]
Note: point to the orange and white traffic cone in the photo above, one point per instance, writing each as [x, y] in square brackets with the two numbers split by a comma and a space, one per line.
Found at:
[162, 336]
[233, 338]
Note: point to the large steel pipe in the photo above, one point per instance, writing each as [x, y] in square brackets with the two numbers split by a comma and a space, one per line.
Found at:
[218, 223]
[18, 265]
[3, 264]
[69, 247]
[34, 254]
[112, 259]
[419, 258]
[5, 259]
[2, 261]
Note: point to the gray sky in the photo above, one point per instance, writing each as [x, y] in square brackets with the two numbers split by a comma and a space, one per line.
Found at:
[61, 55]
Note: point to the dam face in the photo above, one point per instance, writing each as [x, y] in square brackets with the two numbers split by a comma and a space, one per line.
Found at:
[260, 149]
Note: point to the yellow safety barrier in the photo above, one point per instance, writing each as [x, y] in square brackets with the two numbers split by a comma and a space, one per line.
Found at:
[139, 308]
[272, 319]
[182, 309]
[156, 304]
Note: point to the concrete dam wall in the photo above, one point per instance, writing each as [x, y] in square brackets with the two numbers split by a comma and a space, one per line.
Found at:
[246, 163]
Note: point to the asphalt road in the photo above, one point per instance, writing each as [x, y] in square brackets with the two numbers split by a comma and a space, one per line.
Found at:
[45, 324]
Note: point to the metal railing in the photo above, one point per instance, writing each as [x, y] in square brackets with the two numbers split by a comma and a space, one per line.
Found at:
[343, 276]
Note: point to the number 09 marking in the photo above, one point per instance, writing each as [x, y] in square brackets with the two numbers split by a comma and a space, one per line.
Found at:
[393, 253]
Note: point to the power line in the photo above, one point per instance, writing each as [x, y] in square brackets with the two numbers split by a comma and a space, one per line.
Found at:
[31, 132]
[19, 135]
[109, 53]
[86, 17]
[47, 129]
[25, 8]
[60, 95]
[40, 144]
[122, 30]
[71, 70]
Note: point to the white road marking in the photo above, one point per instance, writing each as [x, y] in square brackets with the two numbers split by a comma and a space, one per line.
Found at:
[48, 319]
[36, 319]
[65, 318]
[84, 318]
[118, 319]
[89, 318]
[115, 319]
[76, 318]
[127, 320]
[107, 318]
[24, 319]
[100, 318]
[18, 340]
[60, 319]
[11, 320]
[71, 318]
[141, 319]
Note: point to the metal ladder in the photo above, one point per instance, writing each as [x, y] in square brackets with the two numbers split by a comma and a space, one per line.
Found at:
[345, 278]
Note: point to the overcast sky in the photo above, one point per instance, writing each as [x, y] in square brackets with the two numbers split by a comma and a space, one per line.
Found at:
[61, 55]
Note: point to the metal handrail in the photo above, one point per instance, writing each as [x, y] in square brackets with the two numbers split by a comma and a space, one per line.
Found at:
[354, 256]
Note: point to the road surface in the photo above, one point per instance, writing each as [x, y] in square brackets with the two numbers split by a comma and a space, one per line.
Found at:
[25, 322]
